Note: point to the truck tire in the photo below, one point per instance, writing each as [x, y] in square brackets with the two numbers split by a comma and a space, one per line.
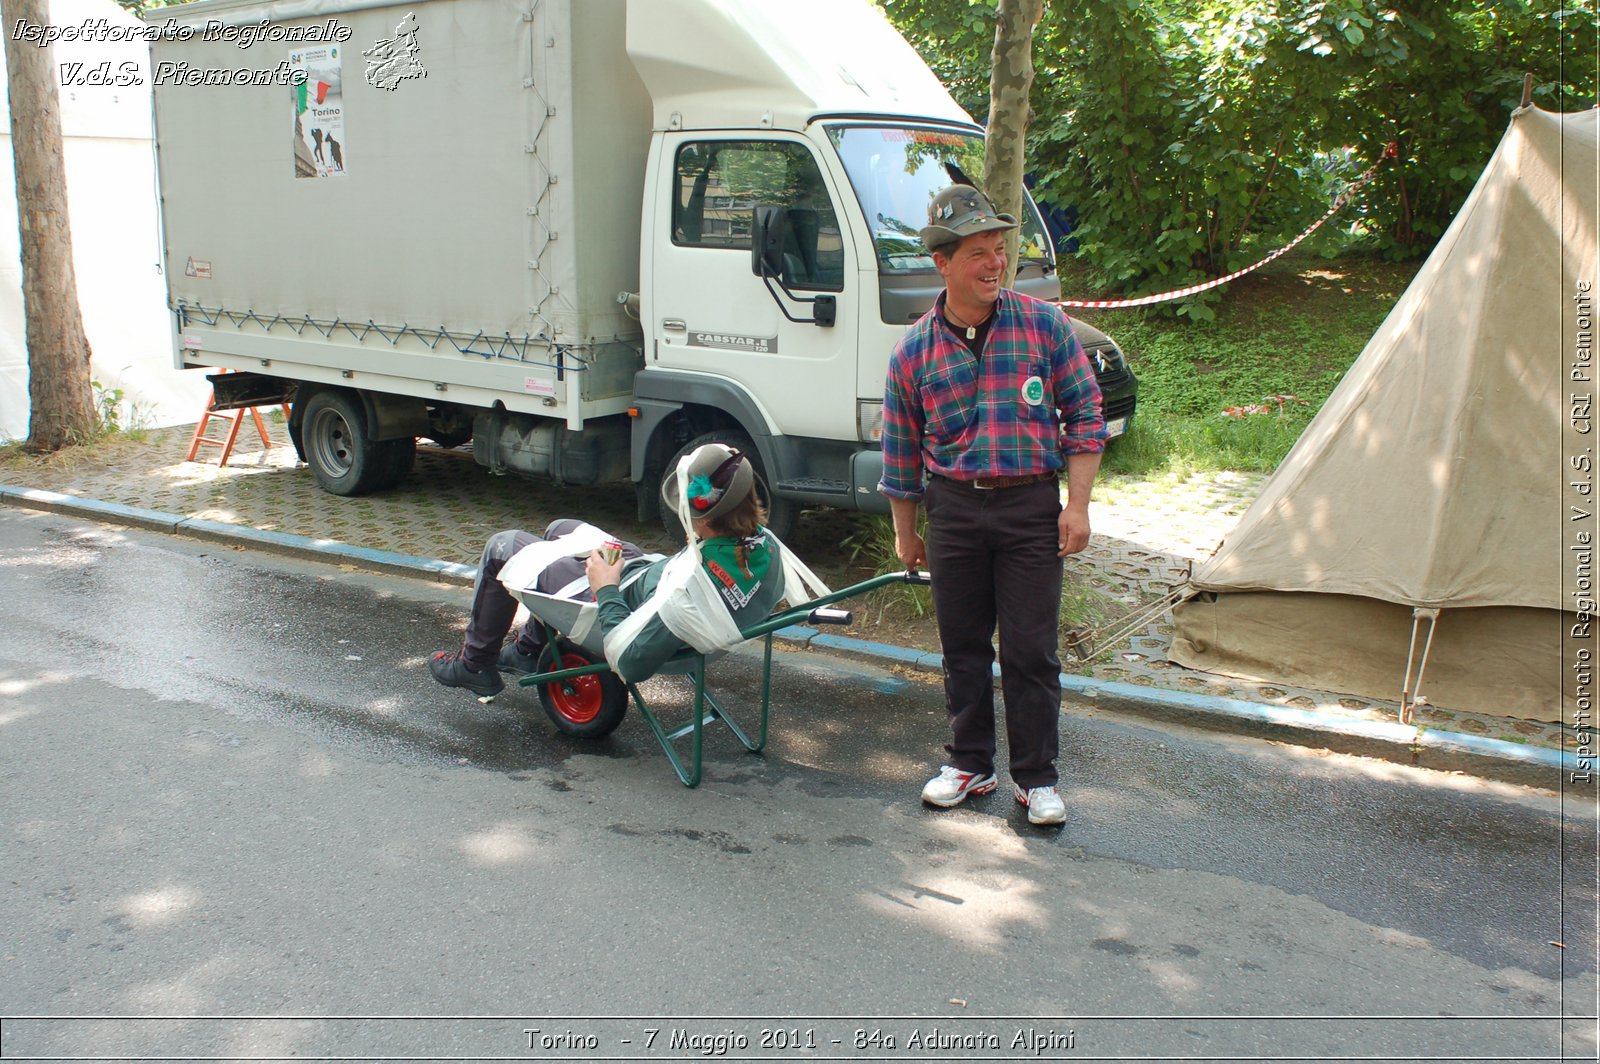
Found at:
[585, 707]
[341, 457]
[781, 513]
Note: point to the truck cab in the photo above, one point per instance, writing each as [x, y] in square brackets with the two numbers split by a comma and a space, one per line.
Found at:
[823, 116]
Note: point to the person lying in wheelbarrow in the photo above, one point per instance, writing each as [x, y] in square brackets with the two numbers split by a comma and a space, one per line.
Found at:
[715, 486]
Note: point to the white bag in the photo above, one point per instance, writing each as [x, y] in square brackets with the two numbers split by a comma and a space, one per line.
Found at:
[522, 570]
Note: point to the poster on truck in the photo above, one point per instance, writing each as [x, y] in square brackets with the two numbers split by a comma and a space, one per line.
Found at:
[318, 112]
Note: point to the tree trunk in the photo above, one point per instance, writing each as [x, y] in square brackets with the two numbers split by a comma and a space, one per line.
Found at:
[1010, 81]
[60, 397]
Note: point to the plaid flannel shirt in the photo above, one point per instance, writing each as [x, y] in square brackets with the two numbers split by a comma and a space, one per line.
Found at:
[949, 413]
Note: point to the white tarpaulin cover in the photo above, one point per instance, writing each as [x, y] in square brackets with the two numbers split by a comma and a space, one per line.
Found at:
[1434, 475]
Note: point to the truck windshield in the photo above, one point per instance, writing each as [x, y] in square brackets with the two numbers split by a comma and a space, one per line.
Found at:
[896, 170]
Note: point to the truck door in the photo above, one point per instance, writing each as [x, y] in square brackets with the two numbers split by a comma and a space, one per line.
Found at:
[712, 314]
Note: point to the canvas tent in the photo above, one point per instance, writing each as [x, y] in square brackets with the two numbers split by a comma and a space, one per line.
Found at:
[1437, 473]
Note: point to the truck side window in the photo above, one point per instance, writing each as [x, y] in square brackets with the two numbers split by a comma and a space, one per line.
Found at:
[719, 182]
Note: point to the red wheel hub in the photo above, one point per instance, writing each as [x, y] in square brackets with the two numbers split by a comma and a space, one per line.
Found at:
[577, 698]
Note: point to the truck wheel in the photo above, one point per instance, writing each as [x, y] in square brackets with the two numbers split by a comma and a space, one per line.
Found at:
[341, 457]
[586, 707]
[781, 513]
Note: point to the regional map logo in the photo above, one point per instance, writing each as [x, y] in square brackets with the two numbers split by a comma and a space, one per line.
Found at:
[394, 60]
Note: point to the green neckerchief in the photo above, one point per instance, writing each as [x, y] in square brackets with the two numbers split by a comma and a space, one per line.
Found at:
[737, 567]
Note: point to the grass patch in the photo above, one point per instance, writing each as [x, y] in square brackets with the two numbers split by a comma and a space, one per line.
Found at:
[109, 443]
[1176, 445]
[1293, 328]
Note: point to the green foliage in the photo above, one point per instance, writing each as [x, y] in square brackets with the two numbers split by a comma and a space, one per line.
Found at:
[1193, 136]
[871, 546]
[107, 406]
[956, 39]
[1164, 444]
[116, 413]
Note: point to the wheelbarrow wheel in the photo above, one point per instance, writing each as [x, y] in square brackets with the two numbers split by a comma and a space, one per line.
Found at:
[588, 707]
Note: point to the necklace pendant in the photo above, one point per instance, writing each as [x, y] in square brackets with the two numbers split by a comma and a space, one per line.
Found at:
[972, 333]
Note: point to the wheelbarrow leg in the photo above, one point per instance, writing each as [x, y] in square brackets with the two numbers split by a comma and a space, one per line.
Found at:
[718, 712]
[689, 776]
[706, 710]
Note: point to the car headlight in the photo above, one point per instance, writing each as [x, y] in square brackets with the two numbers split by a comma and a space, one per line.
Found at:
[869, 420]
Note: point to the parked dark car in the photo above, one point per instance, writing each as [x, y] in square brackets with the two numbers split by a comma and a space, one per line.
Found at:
[1119, 388]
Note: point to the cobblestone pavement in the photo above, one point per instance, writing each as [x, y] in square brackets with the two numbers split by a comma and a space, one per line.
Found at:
[1147, 532]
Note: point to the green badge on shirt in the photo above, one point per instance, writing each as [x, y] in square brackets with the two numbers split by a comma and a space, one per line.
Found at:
[1033, 391]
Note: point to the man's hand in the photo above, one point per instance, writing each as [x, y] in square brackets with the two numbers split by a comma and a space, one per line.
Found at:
[911, 550]
[1072, 530]
[602, 573]
[908, 546]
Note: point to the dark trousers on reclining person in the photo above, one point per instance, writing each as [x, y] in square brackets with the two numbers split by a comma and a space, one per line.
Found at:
[494, 607]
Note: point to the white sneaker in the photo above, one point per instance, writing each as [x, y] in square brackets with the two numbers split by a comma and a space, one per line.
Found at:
[1044, 805]
[952, 786]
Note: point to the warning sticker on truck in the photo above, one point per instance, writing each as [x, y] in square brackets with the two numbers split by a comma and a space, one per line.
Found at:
[318, 112]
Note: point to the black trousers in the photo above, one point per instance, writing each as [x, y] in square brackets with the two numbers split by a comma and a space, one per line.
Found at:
[494, 607]
[992, 554]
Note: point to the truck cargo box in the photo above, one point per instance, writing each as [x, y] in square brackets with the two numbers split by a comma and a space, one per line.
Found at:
[455, 206]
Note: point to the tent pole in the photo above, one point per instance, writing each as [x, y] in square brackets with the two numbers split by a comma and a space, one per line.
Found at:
[1407, 705]
[1527, 89]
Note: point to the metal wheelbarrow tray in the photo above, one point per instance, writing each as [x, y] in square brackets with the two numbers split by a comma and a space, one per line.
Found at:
[585, 698]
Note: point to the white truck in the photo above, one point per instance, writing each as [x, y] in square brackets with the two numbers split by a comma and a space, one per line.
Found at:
[582, 234]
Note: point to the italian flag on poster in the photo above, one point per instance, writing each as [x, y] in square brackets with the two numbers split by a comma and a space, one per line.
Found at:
[318, 112]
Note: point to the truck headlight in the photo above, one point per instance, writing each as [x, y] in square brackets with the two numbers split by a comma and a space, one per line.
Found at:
[869, 420]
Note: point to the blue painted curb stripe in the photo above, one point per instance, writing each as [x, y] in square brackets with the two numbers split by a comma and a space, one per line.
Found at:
[1256, 712]
[283, 542]
[1087, 687]
[1400, 734]
[105, 511]
[326, 548]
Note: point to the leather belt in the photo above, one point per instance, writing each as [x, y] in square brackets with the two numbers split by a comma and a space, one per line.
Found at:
[996, 483]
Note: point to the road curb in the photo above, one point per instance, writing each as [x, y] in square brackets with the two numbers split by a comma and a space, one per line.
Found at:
[1430, 748]
[328, 550]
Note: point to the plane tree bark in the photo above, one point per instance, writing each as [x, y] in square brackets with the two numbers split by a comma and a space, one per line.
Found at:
[1010, 82]
[61, 399]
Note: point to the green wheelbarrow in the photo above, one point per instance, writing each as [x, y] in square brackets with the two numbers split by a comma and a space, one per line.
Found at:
[584, 698]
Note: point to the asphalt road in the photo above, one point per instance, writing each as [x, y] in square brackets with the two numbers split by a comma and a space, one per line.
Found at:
[240, 821]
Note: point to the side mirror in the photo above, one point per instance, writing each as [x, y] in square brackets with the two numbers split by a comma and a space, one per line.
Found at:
[766, 241]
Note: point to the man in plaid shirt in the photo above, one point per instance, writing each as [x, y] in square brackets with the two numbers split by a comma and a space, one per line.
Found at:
[989, 394]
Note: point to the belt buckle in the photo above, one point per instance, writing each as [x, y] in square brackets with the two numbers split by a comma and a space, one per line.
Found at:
[979, 485]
